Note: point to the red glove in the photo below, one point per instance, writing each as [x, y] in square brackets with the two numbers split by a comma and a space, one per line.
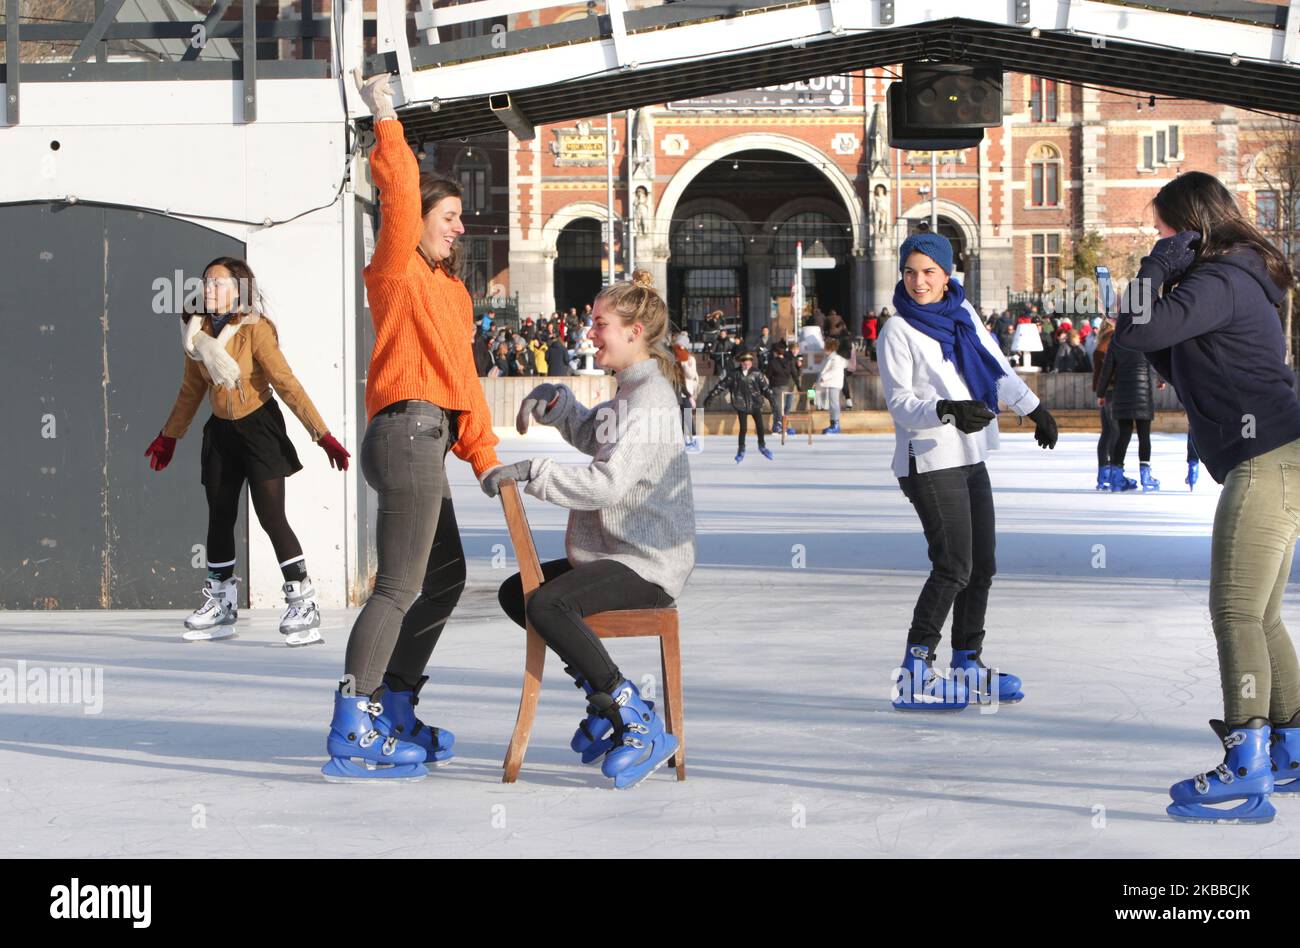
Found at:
[338, 454]
[160, 452]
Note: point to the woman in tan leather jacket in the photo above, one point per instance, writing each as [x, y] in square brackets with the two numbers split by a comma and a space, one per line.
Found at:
[232, 355]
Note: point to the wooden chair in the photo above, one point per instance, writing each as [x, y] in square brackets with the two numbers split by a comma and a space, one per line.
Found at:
[623, 623]
[793, 417]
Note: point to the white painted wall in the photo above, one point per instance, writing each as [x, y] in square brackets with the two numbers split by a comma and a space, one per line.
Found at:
[183, 146]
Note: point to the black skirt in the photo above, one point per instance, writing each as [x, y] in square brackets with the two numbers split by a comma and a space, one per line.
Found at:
[255, 447]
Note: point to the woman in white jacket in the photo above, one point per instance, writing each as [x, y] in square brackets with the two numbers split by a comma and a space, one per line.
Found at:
[831, 381]
[943, 377]
[690, 388]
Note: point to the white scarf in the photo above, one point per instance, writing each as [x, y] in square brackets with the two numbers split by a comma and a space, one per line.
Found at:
[199, 346]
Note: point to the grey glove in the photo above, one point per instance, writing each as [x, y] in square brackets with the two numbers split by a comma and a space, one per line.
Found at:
[377, 94]
[534, 405]
[520, 472]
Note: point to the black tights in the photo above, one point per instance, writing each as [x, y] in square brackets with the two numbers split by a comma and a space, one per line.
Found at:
[556, 609]
[268, 503]
[1124, 428]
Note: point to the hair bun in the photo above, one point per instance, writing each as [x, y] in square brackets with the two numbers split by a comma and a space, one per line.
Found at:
[643, 278]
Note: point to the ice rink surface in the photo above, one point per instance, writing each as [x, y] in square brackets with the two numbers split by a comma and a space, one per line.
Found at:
[808, 569]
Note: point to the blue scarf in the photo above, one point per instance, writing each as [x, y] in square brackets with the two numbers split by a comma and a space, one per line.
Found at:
[948, 323]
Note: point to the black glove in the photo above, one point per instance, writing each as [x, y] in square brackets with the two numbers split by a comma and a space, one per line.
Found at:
[966, 416]
[1176, 253]
[534, 405]
[519, 472]
[1044, 427]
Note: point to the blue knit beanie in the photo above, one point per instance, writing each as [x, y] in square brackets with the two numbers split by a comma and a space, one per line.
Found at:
[935, 246]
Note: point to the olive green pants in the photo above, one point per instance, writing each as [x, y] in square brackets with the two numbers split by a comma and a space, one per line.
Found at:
[1255, 529]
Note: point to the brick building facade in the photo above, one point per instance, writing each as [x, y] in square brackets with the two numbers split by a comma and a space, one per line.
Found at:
[717, 191]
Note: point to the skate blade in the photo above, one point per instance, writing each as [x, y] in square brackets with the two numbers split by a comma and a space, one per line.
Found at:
[1258, 810]
[641, 779]
[346, 770]
[316, 639]
[929, 703]
[199, 635]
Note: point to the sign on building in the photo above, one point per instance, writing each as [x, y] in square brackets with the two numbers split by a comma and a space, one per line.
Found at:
[820, 92]
[579, 146]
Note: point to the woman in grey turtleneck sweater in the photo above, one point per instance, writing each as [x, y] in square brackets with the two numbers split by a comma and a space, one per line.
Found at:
[630, 542]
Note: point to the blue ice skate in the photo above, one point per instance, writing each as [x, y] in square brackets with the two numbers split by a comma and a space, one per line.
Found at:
[1285, 751]
[918, 687]
[1246, 774]
[398, 720]
[984, 679]
[1103, 478]
[1149, 483]
[641, 745]
[358, 751]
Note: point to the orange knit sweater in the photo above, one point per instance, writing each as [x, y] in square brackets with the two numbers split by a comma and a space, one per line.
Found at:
[424, 320]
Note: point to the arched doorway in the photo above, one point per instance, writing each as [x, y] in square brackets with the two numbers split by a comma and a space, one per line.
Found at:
[578, 257]
[733, 231]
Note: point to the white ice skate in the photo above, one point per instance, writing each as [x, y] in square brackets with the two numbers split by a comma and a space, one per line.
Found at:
[216, 618]
[300, 624]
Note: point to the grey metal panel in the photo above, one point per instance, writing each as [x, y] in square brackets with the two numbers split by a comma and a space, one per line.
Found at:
[51, 292]
[248, 59]
[105, 15]
[209, 24]
[155, 517]
[154, 72]
[88, 524]
[266, 30]
[13, 54]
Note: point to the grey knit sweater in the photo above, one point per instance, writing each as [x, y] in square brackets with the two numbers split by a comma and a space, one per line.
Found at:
[633, 502]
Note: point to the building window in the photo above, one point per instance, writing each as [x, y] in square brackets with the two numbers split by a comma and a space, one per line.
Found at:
[1045, 258]
[1042, 99]
[1161, 147]
[472, 174]
[708, 239]
[1044, 176]
[1266, 210]
[476, 264]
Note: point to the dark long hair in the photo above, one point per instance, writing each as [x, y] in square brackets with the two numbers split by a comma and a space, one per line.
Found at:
[433, 188]
[250, 299]
[1199, 201]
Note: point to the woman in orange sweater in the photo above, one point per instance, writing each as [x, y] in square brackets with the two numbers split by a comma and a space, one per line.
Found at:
[233, 357]
[423, 398]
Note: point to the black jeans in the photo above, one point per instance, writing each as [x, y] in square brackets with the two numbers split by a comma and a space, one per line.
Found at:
[567, 594]
[956, 510]
[743, 418]
[421, 570]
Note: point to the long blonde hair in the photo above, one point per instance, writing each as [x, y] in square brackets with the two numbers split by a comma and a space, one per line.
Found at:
[638, 302]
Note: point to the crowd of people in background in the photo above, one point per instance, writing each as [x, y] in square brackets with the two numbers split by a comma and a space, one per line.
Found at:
[1068, 342]
[541, 345]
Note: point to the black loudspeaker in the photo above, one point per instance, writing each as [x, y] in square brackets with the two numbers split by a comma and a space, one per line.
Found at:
[952, 96]
[924, 138]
